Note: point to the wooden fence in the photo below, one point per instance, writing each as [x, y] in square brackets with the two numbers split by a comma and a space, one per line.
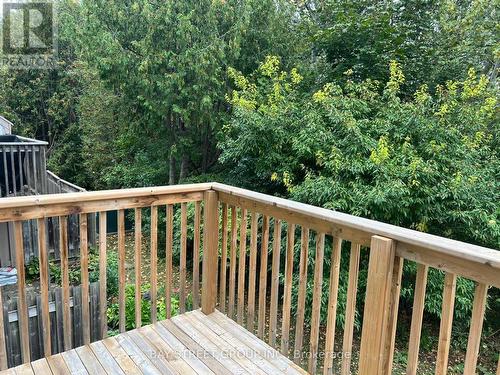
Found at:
[33, 300]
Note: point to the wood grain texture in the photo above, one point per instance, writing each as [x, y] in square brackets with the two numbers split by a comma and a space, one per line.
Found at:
[102, 273]
[242, 256]
[301, 299]
[137, 265]
[210, 252]
[316, 304]
[154, 263]
[121, 270]
[377, 301]
[196, 256]
[390, 341]
[252, 273]
[22, 307]
[417, 318]
[450, 285]
[44, 286]
[232, 263]
[476, 329]
[84, 263]
[332, 306]
[275, 274]
[261, 325]
[223, 261]
[350, 310]
[63, 243]
[183, 265]
[287, 296]
[169, 244]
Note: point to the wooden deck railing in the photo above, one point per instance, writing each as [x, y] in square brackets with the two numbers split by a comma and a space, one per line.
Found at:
[242, 241]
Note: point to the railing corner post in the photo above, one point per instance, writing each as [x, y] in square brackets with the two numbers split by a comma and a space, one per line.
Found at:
[210, 252]
[373, 351]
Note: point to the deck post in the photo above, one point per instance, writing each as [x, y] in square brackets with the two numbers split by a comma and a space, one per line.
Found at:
[210, 252]
[373, 351]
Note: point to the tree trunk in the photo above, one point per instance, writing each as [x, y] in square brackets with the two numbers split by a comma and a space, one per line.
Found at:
[184, 167]
[171, 169]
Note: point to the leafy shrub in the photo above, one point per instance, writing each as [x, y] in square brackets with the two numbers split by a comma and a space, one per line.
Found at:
[113, 309]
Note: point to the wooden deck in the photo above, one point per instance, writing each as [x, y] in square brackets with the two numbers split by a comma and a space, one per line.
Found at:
[191, 343]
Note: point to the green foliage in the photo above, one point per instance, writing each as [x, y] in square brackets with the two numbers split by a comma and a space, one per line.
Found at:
[113, 309]
[428, 163]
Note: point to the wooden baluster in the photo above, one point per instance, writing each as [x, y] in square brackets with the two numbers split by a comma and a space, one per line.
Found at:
[183, 269]
[3, 346]
[275, 275]
[154, 263]
[350, 310]
[299, 325]
[210, 252]
[287, 297]
[316, 304]
[241, 270]
[377, 302]
[252, 273]
[476, 328]
[332, 306]
[450, 285]
[44, 286]
[263, 278]
[416, 318]
[63, 243]
[393, 316]
[137, 260]
[168, 259]
[498, 366]
[22, 307]
[102, 273]
[232, 263]
[84, 259]
[121, 269]
[223, 261]
[196, 256]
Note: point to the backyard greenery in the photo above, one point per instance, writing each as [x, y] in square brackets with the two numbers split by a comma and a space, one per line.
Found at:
[383, 109]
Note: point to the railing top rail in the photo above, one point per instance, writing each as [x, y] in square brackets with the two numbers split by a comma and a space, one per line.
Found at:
[360, 229]
[57, 179]
[17, 140]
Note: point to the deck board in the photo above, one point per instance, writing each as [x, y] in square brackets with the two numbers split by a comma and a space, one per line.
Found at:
[191, 343]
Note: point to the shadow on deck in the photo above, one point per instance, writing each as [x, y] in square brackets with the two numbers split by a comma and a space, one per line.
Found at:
[191, 343]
